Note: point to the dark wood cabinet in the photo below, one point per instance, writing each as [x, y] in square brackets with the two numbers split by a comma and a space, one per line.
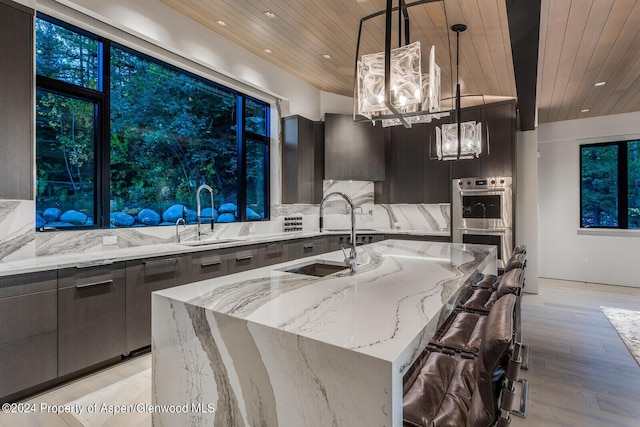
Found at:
[273, 253]
[308, 247]
[245, 258]
[500, 120]
[91, 316]
[302, 160]
[209, 264]
[28, 331]
[16, 101]
[353, 150]
[143, 278]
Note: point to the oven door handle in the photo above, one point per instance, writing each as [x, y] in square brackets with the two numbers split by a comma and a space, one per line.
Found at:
[482, 191]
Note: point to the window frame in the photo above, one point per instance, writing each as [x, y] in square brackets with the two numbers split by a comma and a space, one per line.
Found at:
[622, 176]
[101, 97]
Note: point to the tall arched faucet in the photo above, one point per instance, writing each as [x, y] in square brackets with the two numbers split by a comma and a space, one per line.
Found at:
[352, 259]
[198, 213]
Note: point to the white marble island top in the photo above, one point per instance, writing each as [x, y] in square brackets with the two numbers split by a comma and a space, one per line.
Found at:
[285, 347]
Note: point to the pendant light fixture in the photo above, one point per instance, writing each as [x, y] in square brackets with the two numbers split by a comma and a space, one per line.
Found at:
[459, 140]
[392, 87]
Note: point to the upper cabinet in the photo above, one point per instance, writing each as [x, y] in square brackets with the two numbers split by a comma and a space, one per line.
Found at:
[16, 101]
[500, 120]
[302, 160]
[353, 150]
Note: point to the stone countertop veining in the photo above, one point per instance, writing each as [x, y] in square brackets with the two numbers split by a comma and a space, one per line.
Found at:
[379, 311]
[289, 349]
[114, 254]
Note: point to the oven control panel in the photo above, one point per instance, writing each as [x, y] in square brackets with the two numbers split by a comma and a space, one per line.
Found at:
[484, 183]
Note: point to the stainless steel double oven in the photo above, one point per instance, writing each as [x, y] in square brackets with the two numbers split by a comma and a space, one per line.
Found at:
[482, 212]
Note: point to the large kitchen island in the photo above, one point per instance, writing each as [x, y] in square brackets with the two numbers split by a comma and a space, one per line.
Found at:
[285, 346]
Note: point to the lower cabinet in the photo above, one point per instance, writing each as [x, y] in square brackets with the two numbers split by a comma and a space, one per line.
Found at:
[91, 316]
[308, 247]
[273, 253]
[208, 265]
[245, 258]
[143, 278]
[28, 331]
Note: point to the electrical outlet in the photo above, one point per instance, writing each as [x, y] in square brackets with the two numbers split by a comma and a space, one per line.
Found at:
[109, 240]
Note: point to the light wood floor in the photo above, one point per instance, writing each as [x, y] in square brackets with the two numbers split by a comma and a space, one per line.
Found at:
[581, 373]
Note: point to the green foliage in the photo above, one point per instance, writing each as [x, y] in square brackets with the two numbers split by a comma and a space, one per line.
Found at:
[170, 132]
[600, 185]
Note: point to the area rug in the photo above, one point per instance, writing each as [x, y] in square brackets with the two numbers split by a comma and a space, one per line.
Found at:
[627, 325]
[121, 404]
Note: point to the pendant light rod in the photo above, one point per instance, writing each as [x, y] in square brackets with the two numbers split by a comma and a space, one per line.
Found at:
[458, 28]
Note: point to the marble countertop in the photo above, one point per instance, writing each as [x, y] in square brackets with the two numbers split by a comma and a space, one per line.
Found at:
[385, 310]
[108, 254]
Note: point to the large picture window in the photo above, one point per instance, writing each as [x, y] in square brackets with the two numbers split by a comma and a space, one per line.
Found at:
[610, 185]
[125, 140]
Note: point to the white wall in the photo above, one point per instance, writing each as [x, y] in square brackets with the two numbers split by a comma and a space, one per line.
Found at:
[564, 253]
[526, 194]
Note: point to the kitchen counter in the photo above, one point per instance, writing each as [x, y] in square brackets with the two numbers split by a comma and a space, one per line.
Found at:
[270, 347]
[110, 254]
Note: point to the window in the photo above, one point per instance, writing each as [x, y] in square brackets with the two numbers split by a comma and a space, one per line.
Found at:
[125, 140]
[610, 185]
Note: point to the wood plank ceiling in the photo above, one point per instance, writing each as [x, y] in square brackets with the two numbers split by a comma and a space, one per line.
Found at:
[582, 42]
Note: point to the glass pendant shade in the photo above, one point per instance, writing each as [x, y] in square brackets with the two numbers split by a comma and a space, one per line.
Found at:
[470, 141]
[415, 96]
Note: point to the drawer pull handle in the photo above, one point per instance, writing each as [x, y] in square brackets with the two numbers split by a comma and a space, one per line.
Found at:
[244, 257]
[88, 285]
[210, 263]
[160, 262]
[309, 245]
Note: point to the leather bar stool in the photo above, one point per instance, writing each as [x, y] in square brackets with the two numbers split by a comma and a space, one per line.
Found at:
[454, 391]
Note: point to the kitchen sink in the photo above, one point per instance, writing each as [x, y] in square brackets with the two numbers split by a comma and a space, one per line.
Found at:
[318, 269]
[208, 242]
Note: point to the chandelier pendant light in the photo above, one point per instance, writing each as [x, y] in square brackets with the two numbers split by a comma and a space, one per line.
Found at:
[390, 86]
[459, 140]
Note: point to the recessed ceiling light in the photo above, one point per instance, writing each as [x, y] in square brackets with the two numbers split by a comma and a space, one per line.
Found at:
[270, 14]
[219, 22]
[326, 56]
[586, 110]
[600, 84]
[268, 51]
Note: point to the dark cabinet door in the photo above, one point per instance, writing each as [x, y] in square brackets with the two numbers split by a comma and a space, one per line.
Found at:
[245, 258]
[208, 264]
[28, 331]
[143, 278]
[274, 253]
[91, 316]
[308, 247]
[407, 146]
[16, 101]
[353, 150]
[302, 160]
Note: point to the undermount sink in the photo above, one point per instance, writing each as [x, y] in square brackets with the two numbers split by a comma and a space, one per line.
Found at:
[318, 269]
[208, 242]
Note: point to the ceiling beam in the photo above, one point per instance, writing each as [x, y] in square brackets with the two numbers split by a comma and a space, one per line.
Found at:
[524, 31]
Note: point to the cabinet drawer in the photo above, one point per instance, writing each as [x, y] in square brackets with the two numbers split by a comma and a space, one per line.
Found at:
[309, 247]
[243, 260]
[25, 316]
[274, 253]
[27, 363]
[22, 284]
[89, 276]
[91, 319]
[207, 265]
